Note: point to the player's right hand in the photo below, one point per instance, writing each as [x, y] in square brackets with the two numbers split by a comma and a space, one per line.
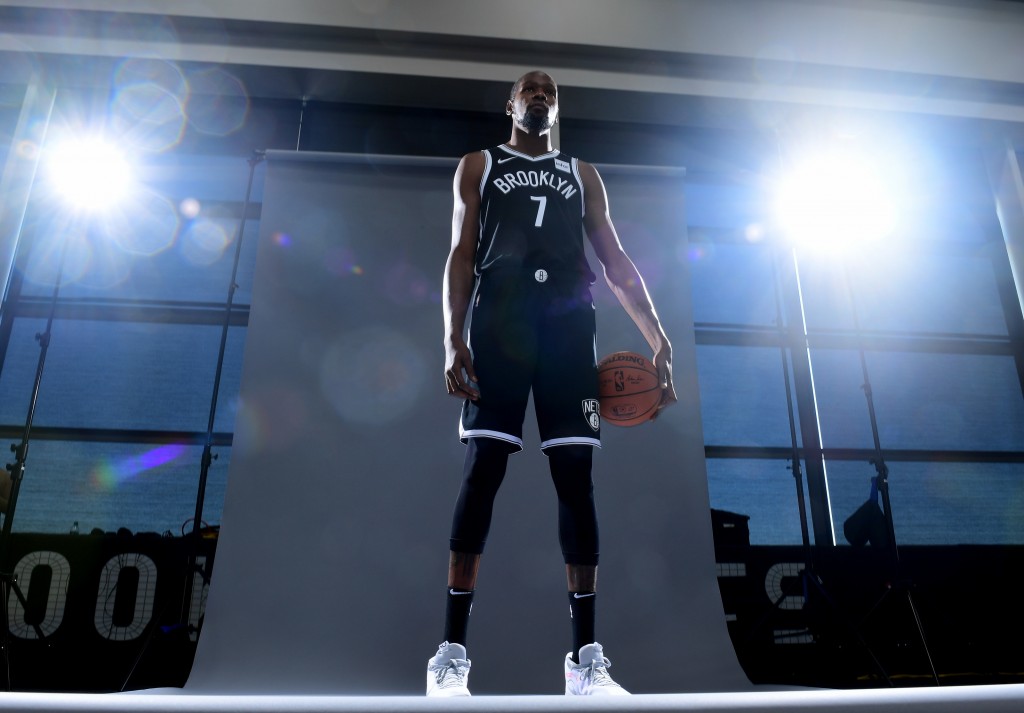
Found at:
[459, 376]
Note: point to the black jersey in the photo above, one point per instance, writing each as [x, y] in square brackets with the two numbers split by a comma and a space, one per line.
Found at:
[531, 214]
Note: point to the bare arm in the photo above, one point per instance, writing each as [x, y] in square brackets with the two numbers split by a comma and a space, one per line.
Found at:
[459, 276]
[624, 279]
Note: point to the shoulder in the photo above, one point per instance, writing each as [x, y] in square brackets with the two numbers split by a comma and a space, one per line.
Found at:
[589, 175]
[472, 166]
[475, 158]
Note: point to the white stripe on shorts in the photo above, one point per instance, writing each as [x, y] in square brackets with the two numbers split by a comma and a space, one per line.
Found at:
[484, 433]
[571, 441]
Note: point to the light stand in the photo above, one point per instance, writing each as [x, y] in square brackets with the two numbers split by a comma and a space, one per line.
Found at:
[900, 586]
[8, 580]
[810, 582]
[808, 571]
[193, 567]
[207, 458]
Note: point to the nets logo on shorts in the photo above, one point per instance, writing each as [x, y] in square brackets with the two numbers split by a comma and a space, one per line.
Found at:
[592, 412]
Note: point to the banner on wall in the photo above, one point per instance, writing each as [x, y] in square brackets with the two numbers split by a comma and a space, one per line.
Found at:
[104, 612]
[847, 622]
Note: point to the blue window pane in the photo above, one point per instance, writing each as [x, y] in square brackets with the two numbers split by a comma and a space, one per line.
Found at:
[764, 490]
[732, 283]
[842, 410]
[743, 397]
[144, 488]
[922, 401]
[938, 503]
[121, 375]
[203, 178]
[194, 265]
[904, 291]
[722, 206]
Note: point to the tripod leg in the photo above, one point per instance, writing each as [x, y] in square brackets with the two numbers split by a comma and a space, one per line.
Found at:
[8, 585]
[920, 634]
[11, 584]
[918, 626]
[819, 587]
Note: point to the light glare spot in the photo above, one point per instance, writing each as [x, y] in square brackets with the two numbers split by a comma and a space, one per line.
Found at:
[835, 200]
[90, 173]
[189, 208]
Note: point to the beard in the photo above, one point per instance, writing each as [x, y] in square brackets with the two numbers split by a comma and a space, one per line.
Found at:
[535, 123]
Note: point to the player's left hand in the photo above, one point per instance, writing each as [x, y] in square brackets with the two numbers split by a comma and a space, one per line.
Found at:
[663, 363]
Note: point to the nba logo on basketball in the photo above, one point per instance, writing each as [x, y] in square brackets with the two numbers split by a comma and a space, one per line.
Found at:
[591, 412]
[620, 380]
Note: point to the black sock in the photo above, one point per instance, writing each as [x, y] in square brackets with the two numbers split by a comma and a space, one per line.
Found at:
[456, 619]
[583, 613]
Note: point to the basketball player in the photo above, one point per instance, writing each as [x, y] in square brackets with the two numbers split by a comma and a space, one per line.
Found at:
[517, 256]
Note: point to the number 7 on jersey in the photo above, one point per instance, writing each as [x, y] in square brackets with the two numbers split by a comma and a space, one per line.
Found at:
[543, 201]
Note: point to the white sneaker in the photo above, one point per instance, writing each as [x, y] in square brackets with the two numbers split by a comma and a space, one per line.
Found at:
[590, 676]
[448, 671]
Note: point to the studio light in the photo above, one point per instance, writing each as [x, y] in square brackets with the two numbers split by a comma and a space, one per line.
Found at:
[91, 174]
[834, 200]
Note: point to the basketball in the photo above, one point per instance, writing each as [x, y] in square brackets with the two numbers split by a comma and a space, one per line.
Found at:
[627, 388]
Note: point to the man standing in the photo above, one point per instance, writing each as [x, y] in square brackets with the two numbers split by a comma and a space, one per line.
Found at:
[517, 258]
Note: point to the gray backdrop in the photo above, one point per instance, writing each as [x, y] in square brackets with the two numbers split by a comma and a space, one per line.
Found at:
[331, 565]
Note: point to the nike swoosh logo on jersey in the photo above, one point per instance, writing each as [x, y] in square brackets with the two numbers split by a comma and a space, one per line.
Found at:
[503, 160]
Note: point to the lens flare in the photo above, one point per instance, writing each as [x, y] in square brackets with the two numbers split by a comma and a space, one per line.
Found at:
[204, 242]
[109, 475]
[148, 116]
[373, 376]
[148, 228]
[218, 103]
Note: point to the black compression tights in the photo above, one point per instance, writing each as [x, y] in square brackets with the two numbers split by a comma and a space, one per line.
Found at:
[577, 514]
[486, 460]
[484, 469]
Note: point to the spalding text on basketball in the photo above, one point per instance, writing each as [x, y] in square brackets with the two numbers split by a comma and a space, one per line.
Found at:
[631, 358]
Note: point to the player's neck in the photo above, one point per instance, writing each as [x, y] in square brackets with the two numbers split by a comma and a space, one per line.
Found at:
[530, 144]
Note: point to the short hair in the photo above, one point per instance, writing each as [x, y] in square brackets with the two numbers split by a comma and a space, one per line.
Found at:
[515, 87]
[515, 84]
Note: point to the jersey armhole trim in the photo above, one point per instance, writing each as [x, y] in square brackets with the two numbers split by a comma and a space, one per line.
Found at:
[583, 190]
[487, 171]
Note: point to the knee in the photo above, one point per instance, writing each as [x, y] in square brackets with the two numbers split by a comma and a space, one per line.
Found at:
[570, 460]
[571, 473]
[488, 450]
[486, 460]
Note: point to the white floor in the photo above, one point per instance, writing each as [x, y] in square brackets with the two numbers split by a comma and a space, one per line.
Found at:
[976, 699]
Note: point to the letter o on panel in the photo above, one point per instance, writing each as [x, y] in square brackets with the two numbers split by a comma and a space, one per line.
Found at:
[106, 597]
[56, 597]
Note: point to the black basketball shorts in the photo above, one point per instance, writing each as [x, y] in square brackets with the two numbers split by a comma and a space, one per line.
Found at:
[533, 331]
